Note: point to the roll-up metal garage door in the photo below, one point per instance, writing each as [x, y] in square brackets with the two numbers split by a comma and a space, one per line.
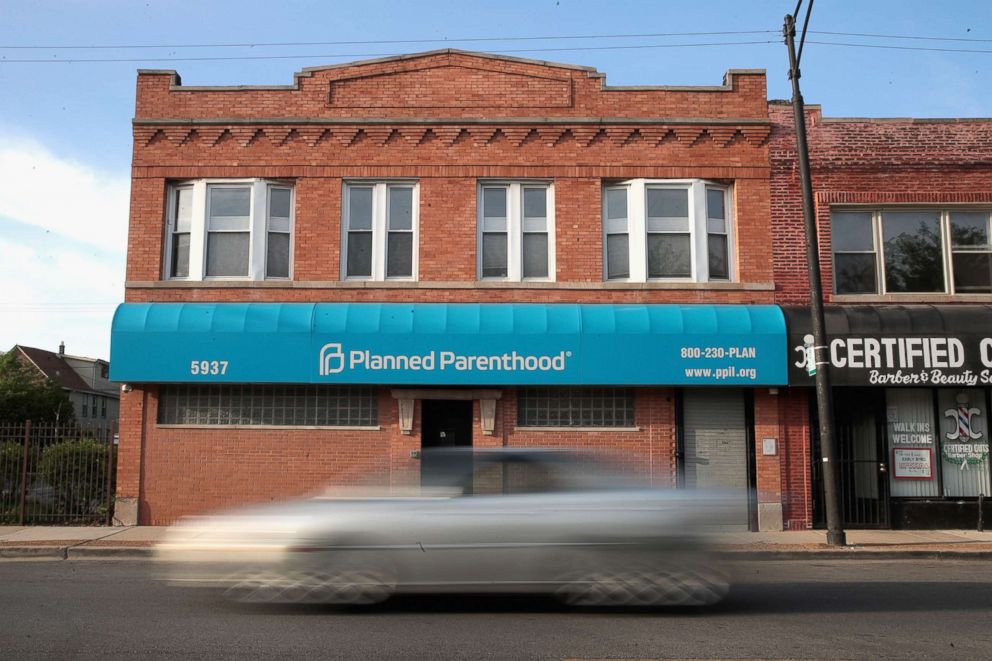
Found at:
[715, 452]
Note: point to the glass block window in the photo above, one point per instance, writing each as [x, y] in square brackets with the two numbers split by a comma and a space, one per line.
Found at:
[575, 407]
[277, 405]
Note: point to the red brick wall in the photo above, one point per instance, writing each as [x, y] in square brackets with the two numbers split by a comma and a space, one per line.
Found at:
[857, 161]
[188, 470]
[447, 120]
[864, 161]
[796, 461]
[455, 84]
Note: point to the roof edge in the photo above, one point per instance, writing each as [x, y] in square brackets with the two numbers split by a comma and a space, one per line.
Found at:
[175, 83]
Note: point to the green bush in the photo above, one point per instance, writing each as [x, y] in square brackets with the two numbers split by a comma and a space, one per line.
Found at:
[11, 460]
[77, 471]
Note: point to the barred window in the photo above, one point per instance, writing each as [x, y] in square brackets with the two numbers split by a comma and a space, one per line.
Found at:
[575, 407]
[292, 405]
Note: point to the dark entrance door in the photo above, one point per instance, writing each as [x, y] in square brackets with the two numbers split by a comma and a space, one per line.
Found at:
[859, 428]
[444, 424]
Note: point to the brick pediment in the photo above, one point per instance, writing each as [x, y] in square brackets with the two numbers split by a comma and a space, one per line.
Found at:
[450, 86]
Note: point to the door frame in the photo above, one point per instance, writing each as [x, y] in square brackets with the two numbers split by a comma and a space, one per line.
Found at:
[883, 520]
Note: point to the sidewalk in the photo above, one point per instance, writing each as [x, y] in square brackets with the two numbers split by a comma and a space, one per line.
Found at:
[137, 542]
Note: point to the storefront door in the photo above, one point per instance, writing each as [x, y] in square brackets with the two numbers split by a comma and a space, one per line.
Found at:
[445, 424]
[862, 467]
[715, 452]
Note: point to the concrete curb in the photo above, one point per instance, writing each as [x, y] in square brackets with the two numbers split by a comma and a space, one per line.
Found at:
[853, 553]
[859, 554]
[39, 551]
[109, 552]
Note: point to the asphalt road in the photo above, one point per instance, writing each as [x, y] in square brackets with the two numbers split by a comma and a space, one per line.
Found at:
[818, 610]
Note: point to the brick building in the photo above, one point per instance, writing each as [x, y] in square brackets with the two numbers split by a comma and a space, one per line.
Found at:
[449, 248]
[903, 211]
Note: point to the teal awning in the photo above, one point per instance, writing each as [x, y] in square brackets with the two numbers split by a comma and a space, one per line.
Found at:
[449, 344]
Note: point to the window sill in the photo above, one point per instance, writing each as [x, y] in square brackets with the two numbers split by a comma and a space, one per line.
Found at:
[272, 427]
[580, 429]
[460, 284]
[911, 298]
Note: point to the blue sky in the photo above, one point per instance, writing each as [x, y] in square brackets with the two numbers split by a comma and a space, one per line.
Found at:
[65, 138]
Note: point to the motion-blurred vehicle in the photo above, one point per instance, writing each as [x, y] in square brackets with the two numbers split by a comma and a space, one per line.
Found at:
[502, 520]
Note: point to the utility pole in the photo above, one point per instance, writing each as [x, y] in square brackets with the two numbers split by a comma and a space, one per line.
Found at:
[824, 398]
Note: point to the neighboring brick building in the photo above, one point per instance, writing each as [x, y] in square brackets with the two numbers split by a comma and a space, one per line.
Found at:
[903, 211]
[604, 254]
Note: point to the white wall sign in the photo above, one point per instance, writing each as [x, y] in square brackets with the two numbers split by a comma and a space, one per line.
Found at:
[912, 464]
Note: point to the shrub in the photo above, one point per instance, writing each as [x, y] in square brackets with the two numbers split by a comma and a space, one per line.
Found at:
[77, 472]
[11, 460]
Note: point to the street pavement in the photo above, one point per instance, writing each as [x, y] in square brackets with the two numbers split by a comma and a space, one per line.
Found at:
[831, 609]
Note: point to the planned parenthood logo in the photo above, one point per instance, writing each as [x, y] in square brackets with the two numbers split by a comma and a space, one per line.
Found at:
[334, 360]
[331, 359]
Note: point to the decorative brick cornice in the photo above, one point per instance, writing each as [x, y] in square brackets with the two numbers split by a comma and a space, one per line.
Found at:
[550, 134]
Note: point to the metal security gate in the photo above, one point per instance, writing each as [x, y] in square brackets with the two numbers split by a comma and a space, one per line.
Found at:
[716, 433]
[861, 466]
[53, 474]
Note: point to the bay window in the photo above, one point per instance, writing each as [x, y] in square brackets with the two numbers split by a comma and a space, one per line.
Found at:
[229, 229]
[667, 230]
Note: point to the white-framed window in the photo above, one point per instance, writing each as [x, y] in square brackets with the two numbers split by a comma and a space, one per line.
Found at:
[379, 229]
[232, 229]
[911, 250]
[516, 231]
[669, 230]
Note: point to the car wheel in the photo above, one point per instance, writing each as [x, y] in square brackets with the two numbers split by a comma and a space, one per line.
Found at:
[656, 587]
[343, 586]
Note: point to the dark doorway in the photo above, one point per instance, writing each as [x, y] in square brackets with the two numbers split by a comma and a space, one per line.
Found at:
[859, 430]
[445, 423]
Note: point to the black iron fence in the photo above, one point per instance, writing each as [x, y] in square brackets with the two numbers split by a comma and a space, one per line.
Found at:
[54, 474]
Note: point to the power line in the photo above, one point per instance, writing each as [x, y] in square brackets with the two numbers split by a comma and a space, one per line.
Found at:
[894, 47]
[898, 36]
[283, 44]
[388, 41]
[4, 60]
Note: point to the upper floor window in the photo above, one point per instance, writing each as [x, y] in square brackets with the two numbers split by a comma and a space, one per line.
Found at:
[379, 231]
[911, 251]
[516, 231]
[667, 230]
[231, 229]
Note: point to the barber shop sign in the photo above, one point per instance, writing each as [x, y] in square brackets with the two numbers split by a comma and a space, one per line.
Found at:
[963, 445]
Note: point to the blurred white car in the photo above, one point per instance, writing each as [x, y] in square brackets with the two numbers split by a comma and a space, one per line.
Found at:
[505, 520]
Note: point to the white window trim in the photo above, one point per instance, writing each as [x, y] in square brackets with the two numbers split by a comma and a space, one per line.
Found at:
[637, 230]
[380, 230]
[258, 228]
[877, 235]
[292, 234]
[514, 228]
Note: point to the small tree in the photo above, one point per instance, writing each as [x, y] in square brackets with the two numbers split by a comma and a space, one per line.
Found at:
[27, 395]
